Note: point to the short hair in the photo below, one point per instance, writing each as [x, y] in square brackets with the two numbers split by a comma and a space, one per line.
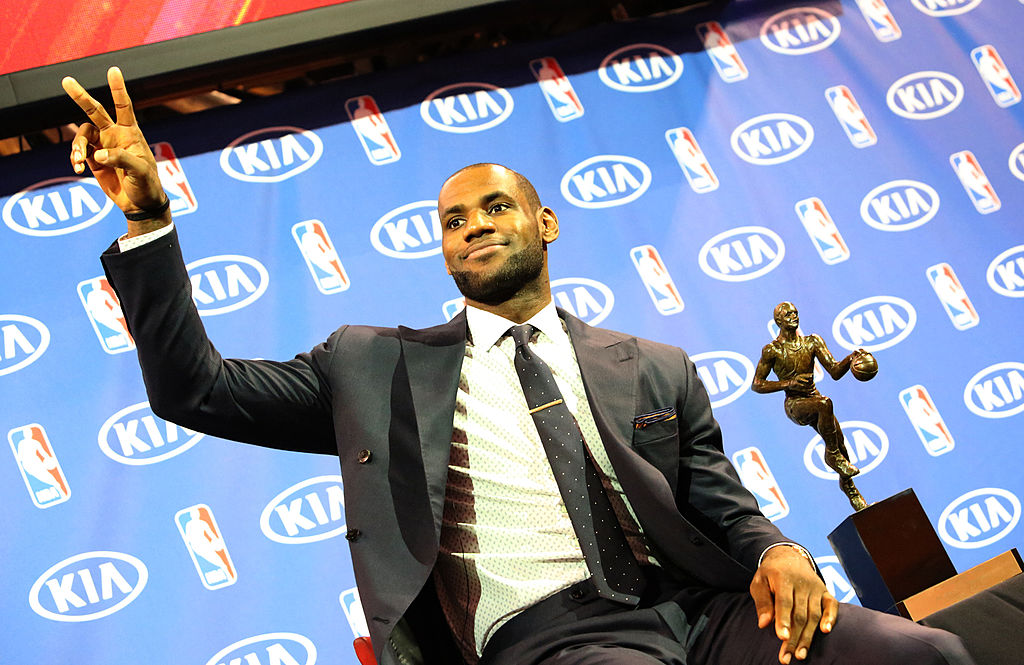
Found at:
[523, 185]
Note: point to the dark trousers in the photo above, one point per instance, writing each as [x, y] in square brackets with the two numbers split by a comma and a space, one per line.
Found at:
[690, 626]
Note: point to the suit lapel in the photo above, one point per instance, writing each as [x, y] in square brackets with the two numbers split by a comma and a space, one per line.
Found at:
[433, 359]
[605, 359]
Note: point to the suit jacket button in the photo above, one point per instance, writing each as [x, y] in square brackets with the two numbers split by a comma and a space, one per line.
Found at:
[696, 540]
[352, 535]
[576, 593]
[364, 456]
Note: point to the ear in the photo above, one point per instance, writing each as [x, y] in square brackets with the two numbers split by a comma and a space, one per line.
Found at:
[548, 222]
[447, 268]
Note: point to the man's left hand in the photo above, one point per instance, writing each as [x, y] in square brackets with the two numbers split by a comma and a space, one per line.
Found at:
[787, 589]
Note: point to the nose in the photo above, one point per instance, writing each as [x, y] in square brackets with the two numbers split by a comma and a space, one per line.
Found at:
[478, 223]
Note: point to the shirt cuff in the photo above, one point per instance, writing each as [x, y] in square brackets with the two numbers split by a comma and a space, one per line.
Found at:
[124, 243]
[799, 548]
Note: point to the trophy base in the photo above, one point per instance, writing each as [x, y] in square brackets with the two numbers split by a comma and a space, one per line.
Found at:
[890, 552]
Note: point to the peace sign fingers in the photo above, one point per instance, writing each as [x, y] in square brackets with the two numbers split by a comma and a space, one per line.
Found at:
[97, 114]
[122, 102]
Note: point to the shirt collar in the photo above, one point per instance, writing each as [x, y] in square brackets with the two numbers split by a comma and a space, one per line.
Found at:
[486, 329]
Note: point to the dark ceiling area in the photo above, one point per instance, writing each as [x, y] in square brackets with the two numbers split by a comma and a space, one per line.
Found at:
[357, 38]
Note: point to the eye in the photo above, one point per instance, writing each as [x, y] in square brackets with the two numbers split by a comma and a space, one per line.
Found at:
[498, 207]
[453, 223]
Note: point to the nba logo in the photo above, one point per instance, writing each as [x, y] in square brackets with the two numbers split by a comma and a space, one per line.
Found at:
[453, 307]
[722, 52]
[952, 296]
[927, 420]
[372, 130]
[975, 182]
[822, 230]
[104, 310]
[655, 277]
[758, 478]
[562, 98]
[691, 160]
[995, 75]
[353, 608]
[206, 546]
[39, 466]
[321, 257]
[880, 20]
[173, 180]
[850, 116]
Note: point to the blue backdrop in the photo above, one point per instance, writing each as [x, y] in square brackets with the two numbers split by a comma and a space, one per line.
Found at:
[865, 162]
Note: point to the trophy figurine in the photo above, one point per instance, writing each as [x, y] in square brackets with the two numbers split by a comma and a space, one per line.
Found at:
[792, 357]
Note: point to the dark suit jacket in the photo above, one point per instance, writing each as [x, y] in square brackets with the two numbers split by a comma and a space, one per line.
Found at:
[391, 393]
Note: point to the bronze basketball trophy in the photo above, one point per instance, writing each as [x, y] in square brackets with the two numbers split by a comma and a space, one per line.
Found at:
[889, 550]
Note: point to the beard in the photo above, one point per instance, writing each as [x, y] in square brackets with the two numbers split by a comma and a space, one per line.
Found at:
[518, 271]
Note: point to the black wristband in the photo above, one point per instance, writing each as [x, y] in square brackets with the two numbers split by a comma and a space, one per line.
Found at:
[149, 213]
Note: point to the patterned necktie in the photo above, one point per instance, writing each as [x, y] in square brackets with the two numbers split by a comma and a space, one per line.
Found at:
[612, 566]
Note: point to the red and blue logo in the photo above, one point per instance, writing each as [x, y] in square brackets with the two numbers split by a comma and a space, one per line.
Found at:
[321, 257]
[656, 279]
[927, 420]
[722, 52]
[373, 131]
[952, 295]
[759, 479]
[205, 544]
[881, 21]
[975, 182]
[174, 181]
[562, 99]
[996, 76]
[105, 315]
[691, 160]
[850, 116]
[822, 230]
[39, 466]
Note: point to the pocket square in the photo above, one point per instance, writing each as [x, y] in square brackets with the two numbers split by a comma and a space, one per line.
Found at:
[661, 415]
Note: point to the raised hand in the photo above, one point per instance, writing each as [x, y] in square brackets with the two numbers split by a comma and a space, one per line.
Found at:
[118, 155]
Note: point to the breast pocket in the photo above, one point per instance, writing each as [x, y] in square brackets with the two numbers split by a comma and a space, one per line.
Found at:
[656, 439]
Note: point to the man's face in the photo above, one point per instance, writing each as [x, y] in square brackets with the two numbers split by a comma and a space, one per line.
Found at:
[787, 317]
[493, 242]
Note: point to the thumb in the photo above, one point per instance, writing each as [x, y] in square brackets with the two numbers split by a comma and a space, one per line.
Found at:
[120, 159]
[761, 592]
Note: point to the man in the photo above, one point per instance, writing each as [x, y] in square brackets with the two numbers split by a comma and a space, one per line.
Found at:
[792, 355]
[459, 527]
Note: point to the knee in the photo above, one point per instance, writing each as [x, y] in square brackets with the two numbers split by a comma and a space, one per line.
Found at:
[891, 640]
